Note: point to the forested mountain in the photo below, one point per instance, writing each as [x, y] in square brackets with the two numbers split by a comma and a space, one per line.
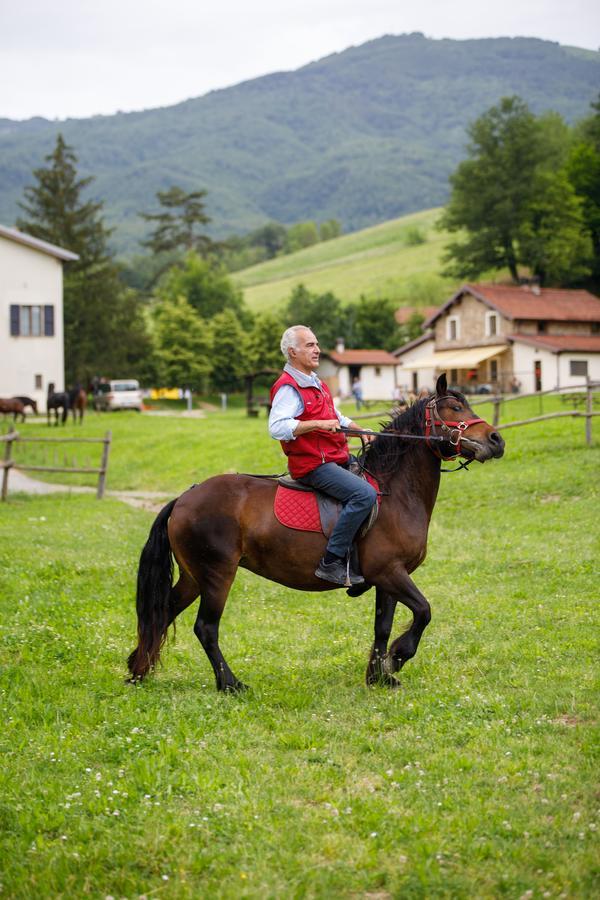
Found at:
[361, 136]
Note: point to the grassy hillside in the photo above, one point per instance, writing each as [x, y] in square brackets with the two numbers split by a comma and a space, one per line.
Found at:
[377, 261]
[361, 136]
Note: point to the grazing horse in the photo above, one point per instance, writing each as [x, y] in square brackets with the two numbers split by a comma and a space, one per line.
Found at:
[228, 521]
[56, 401]
[13, 406]
[28, 401]
[78, 402]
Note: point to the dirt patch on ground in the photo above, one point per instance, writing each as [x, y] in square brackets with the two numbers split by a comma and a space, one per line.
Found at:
[20, 483]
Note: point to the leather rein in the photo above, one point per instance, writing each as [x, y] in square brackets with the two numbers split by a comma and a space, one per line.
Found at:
[453, 432]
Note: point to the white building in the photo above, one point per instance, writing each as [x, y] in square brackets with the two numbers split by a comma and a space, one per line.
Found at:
[31, 315]
[376, 370]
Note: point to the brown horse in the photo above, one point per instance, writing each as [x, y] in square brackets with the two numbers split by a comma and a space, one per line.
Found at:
[78, 402]
[228, 521]
[14, 406]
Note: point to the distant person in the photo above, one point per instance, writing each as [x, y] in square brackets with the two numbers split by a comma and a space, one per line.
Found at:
[357, 392]
[399, 397]
[515, 385]
[308, 425]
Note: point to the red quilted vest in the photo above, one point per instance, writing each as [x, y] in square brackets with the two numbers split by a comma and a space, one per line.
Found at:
[310, 450]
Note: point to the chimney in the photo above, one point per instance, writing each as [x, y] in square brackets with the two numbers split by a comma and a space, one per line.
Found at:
[339, 345]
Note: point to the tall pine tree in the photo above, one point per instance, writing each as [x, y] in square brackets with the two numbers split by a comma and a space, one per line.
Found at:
[104, 326]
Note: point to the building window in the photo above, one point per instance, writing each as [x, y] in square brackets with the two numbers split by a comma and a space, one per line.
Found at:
[542, 327]
[38, 382]
[377, 371]
[31, 321]
[493, 370]
[578, 367]
[491, 324]
[452, 328]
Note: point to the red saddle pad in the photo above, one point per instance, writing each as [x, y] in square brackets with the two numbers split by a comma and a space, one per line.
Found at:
[300, 509]
[297, 509]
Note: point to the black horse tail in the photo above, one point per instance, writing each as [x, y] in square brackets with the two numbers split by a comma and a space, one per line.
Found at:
[154, 581]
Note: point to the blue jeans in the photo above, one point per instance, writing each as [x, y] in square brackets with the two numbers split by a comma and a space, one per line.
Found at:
[357, 497]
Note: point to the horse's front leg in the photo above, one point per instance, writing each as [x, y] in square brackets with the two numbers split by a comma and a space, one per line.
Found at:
[405, 646]
[379, 670]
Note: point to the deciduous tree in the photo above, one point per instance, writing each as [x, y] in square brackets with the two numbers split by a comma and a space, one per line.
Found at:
[183, 344]
[501, 197]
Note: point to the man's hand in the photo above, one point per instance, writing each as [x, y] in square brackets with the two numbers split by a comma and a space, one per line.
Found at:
[367, 438]
[328, 424]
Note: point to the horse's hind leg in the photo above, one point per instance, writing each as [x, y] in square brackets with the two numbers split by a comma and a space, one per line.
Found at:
[214, 589]
[379, 667]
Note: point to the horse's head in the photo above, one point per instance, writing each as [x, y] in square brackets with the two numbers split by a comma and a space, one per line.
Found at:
[448, 415]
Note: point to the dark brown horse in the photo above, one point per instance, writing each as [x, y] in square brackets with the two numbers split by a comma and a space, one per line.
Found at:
[228, 521]
[55, 401]
[28, 401]
[78, 402]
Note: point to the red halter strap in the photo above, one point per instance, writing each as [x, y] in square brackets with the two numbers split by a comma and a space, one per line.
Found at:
[455, 429]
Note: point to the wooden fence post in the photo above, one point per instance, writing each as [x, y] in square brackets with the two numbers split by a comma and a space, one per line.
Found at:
[7, 463]
[496, 401]
[588, 412]
[103, 465]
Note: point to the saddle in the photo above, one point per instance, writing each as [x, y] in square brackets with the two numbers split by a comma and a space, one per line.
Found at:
[305, 509]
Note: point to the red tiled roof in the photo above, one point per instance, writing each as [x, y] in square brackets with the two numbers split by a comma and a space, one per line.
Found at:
[560, 343]
[362, 358]
[527, 302]
[403, 314]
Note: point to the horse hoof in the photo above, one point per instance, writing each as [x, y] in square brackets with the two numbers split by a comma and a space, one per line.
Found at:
[383, 680]
[238, 687]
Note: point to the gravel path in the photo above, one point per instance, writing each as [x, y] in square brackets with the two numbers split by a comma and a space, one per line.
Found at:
[21, 483]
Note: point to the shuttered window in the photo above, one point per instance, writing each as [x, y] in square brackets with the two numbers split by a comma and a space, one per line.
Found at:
[49, 321]
[31, 321]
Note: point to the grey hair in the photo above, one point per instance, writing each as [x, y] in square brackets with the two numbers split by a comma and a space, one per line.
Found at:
[289, 338]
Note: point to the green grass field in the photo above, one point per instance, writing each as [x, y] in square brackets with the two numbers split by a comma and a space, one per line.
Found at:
[377, 261]
[477, 779]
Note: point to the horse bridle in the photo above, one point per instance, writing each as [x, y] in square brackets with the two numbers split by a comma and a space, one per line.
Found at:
[452, 432]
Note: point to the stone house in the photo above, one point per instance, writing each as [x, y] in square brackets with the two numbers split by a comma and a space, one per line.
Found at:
[487, 335]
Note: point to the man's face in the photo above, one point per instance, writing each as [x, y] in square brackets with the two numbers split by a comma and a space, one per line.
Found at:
[305, 356]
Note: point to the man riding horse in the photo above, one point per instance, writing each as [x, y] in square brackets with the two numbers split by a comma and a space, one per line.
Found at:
[305, 420]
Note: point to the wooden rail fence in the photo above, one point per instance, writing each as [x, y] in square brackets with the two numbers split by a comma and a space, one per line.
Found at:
[585, 391]
[8, 463]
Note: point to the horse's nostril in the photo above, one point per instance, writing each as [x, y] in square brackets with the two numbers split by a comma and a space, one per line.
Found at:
[496, 439]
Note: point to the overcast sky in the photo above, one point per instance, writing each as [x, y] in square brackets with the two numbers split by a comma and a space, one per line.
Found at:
[77, 58]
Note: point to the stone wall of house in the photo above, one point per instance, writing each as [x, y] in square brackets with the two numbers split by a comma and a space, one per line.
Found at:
[472, 318]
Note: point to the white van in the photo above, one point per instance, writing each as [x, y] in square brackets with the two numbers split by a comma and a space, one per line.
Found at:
[123, 394]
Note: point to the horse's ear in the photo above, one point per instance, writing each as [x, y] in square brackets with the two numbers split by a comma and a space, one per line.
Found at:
[441, 387]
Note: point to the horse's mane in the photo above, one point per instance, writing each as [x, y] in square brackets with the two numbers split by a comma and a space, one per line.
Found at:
[385, 455]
